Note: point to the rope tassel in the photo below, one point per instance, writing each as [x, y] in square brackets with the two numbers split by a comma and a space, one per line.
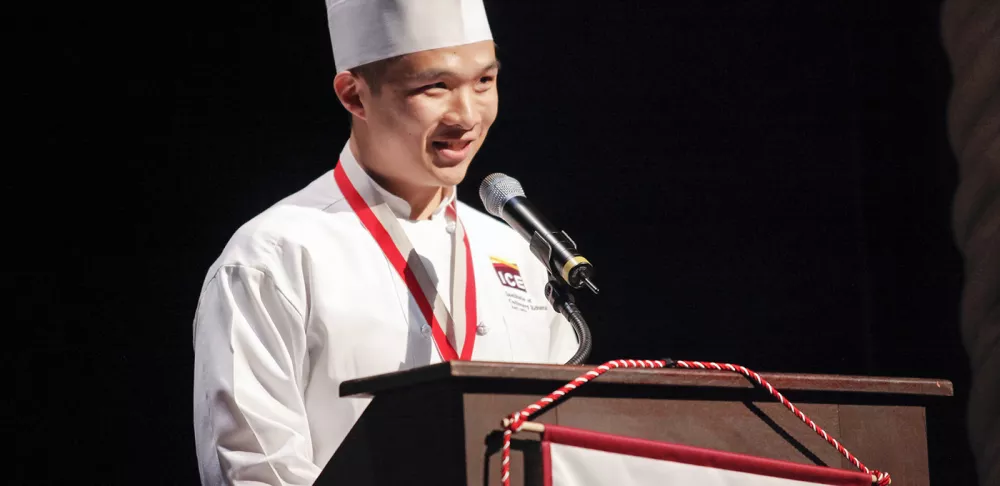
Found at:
[514, 422]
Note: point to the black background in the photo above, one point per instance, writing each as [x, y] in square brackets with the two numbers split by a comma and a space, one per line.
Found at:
[764, 183]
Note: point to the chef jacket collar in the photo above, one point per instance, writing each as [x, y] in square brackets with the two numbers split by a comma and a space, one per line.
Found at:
[367, 187]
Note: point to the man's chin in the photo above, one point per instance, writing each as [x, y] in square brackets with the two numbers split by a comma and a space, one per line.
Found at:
[451, 176]
[450, 171]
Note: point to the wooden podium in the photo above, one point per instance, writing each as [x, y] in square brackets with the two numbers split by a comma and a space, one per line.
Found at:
[440, 424]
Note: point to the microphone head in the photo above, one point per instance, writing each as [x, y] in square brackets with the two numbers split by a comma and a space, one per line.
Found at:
[496, 190]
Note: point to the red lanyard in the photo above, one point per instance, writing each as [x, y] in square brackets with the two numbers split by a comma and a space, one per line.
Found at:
[388, 234]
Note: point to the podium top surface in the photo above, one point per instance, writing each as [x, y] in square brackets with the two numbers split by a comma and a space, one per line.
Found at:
[559, 374]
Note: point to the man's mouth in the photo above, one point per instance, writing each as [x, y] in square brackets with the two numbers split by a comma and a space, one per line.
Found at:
[451, 144]
[452, 151]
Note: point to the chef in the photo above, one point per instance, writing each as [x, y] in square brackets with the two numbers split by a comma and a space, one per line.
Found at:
[376, 265]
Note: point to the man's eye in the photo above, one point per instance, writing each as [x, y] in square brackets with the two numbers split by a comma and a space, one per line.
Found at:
[440, 85]
[486, 79]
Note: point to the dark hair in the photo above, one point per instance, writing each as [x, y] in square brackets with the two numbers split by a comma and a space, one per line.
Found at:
[374, 72]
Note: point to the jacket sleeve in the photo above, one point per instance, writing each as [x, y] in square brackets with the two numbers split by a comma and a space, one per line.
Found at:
[250, 365]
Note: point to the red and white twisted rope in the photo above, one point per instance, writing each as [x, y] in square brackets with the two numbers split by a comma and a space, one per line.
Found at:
[517, 419]
[878, 477]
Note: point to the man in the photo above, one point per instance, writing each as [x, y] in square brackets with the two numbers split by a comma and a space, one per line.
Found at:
[375, 266]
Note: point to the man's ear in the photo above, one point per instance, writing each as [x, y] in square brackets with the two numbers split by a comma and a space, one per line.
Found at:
[349, 88]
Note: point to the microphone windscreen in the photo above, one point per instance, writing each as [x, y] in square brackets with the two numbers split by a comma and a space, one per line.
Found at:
[496, 190]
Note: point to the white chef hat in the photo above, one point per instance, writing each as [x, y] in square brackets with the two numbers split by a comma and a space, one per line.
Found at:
[364, 31]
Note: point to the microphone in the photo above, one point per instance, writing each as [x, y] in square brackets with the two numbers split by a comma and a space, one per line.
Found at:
[504, 198]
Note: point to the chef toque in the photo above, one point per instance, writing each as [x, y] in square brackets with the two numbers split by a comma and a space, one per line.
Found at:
[364, 31]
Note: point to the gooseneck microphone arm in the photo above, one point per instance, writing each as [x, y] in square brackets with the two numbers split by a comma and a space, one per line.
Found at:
[562, 300]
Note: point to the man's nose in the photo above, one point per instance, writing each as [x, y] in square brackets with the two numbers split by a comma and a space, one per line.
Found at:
[462, 111]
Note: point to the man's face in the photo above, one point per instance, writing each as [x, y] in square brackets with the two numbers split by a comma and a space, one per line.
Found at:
[431, 114]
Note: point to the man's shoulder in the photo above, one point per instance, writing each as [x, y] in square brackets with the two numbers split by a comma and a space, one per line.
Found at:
[291, 224]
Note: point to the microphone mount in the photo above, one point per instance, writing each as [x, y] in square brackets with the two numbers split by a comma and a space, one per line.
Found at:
[504, 198]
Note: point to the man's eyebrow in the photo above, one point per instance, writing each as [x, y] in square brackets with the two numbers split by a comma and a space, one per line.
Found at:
[428, 75]
[431, 74]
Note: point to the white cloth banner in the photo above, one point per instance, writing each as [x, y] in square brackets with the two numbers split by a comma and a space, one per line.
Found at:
[574, 457]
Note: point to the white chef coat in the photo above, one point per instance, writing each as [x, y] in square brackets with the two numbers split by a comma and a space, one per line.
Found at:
[302, 299]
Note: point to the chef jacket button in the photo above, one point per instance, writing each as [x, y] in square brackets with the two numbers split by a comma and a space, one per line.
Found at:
[425, 330]
[482, 329]
[450, 227]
